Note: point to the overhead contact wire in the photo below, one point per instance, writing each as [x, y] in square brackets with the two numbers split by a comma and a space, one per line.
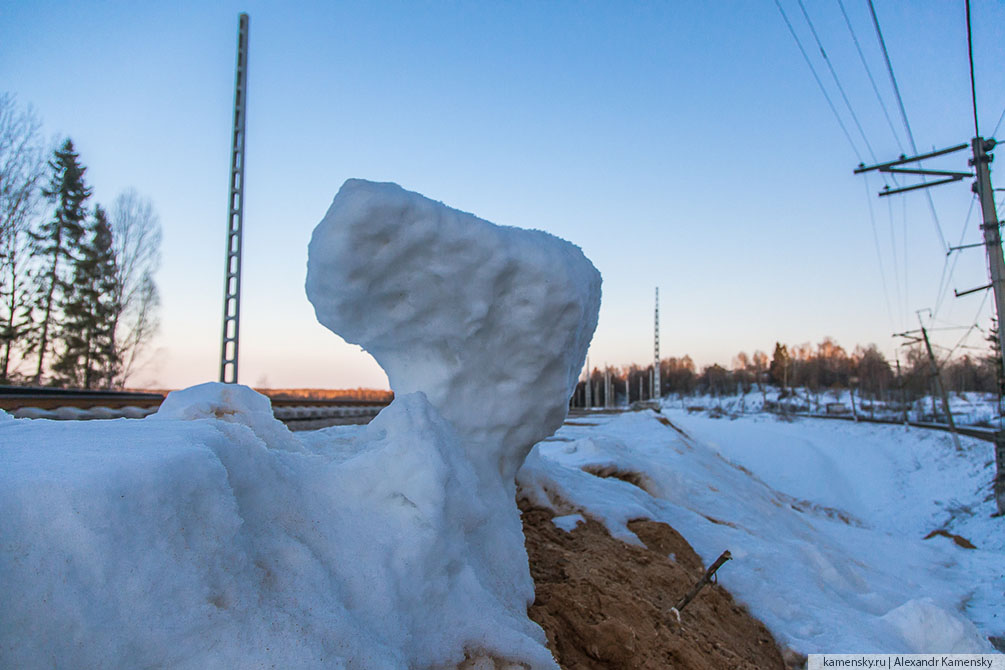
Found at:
[903, 114]
[837, 81]
[816, 77]
[872, 80]
[973, 86]
[879, 256]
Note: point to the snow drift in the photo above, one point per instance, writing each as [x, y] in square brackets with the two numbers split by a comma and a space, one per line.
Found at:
[833, 560]
[209, 536]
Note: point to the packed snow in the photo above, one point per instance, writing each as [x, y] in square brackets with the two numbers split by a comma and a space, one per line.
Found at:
[451, 301]
[210, 536]
[969, 408]
[825, 520]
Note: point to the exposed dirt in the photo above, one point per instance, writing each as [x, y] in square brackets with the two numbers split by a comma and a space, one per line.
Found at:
[605, 604]
[958, 539]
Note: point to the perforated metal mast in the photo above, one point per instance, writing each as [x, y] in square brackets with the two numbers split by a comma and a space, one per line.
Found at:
[235, 215]
[657, 388]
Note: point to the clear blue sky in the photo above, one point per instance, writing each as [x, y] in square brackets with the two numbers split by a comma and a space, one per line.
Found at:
[680, 144]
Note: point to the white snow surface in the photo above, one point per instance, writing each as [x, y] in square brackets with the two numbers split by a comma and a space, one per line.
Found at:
[825, 520]
[190, 541]
[210, 536]
[445, 301]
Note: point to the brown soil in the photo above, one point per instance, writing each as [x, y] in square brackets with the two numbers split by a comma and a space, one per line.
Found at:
[605, 604]
[958, 539]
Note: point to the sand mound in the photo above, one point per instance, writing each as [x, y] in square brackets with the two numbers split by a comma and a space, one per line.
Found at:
[604, 603]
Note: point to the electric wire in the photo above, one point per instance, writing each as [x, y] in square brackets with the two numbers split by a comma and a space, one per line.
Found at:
[816, 77]
[872, 80]
[998, 125]
[837, 81]
[903, 114]
[893, 78]
[902, 307]
[973, 86]
[944, 287]
[970, 330]
[879, 255]
[903, 239]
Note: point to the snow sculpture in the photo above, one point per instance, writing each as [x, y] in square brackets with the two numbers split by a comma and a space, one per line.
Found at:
[492, 323]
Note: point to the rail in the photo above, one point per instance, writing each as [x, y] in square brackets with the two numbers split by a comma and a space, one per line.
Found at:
[85, 404]
[987, 434]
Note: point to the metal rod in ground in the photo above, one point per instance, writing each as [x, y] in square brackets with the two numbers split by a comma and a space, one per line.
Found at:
[705, 579]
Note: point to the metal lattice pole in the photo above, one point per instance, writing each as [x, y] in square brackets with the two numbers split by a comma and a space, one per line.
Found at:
[657, 387]
[235, 215]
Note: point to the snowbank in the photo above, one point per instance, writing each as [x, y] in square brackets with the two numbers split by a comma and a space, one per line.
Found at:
[825, 520]
[210, 536]
[186, 540]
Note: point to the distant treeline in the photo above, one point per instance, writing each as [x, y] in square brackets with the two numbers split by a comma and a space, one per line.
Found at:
[817, 368]
[328, 394]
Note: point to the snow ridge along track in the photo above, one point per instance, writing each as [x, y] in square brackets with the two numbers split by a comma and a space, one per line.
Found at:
[82, 404]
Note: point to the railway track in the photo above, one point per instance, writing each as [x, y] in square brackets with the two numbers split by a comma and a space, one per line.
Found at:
[74, 404]
[297, 413]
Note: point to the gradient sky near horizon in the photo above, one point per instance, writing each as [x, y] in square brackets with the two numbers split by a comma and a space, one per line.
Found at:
[680, 144]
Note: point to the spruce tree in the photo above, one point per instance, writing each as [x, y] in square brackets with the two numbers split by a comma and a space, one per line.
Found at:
[56, 240]
[779, 369]
[89, 308]
[996, 363]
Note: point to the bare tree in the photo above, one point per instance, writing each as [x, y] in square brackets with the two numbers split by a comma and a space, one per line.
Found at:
[136, 235]
[22, 171]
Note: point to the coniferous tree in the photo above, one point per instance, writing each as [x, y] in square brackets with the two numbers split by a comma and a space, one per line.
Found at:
[779, 369]
[996, 361]
[55, 241]
[89, 307]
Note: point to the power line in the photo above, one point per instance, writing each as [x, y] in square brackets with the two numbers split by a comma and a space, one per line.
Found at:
[893, 77]
[872, 80]
[998, 125]
[879, 255]
[901, 306]
[970, 330]
[903, 114]
[973, 86]
[837, 81]
[823, 90]
[903, 223]
[944, 288]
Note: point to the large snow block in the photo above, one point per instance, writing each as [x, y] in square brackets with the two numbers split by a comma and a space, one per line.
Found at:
[492, 323]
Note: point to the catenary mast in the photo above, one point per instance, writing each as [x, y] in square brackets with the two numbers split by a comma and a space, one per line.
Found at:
[657, 390]
[235, 214]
